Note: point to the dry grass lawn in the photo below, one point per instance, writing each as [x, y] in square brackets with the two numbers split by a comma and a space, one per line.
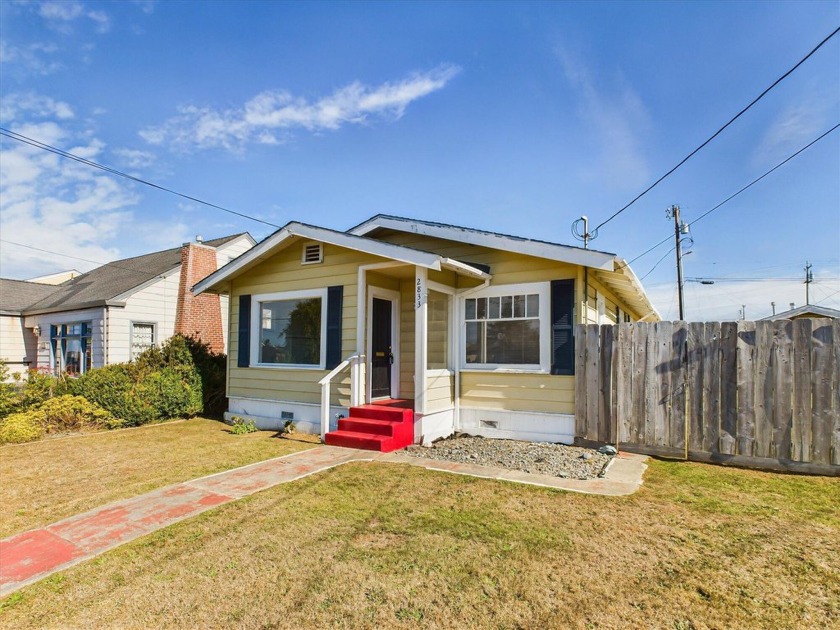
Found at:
[45, 481]
[381, 546]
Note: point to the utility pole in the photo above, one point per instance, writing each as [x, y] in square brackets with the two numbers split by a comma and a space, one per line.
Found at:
[679, 228]
[809, 278]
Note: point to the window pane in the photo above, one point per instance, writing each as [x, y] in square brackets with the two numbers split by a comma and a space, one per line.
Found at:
[519, 306]
[493, 308]
[294, 334]
[73, 356]
[515, 342]
[470, 306]
[507, 307]
[533, 305]
[475, 342]
[142, 338]
[481, 308]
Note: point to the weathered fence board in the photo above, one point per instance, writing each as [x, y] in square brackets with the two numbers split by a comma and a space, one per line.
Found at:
[764, 393]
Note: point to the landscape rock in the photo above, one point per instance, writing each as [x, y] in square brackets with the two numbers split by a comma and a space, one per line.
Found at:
[541, 458]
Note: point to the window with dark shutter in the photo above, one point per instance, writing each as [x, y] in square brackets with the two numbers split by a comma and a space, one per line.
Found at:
[243, 357]
[563, 327]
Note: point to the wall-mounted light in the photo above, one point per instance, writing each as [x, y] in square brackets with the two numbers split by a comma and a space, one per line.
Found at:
[37, 330]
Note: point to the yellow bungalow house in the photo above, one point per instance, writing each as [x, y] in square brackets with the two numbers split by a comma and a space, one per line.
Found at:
[401, 330]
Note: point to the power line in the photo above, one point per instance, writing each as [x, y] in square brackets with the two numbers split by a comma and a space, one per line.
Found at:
[718, 132]
[46, 147]
[657, 263]
[733, 195]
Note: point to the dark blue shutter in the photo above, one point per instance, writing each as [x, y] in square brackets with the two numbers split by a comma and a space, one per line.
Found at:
[563, 327]
[335, 301]
[83, 360]
[55, 360]
[244, 355]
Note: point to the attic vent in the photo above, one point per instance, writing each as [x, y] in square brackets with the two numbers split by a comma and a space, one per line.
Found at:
[312, 253]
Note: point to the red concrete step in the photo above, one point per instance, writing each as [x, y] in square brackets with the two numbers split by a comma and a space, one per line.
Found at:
[366, 441]
[368, 425]
[376, 427]
[379, 412]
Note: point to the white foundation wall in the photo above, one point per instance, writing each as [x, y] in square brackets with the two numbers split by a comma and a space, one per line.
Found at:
[433, 426]
[267, 414]
[155, 304]
[518, 425]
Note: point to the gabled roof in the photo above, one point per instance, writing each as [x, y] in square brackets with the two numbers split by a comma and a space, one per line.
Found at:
[16, 295]
[808, 309]
[531, 247]
[108, 284]
[294, 231]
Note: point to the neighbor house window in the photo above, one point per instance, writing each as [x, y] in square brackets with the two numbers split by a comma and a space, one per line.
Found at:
[507, 327]
[71, 348]
[142, 338]
[291, 329]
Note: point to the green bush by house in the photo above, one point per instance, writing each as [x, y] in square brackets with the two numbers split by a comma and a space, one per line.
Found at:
[178, 380]
[56, 415]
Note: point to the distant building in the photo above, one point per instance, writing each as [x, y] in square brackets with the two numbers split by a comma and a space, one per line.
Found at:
[114, 312]
[808, 311]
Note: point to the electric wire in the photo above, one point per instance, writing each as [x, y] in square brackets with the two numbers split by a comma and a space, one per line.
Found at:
[657, 263]
[719, 131]
[46, 147]
[735, 194]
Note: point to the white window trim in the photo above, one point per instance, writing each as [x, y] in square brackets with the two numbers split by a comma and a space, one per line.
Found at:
[131, 336]
[256, 326]
[543, 289]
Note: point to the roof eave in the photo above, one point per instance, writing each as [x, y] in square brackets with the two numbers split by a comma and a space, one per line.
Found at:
[530, 247]
[74, 307]
[267, 247]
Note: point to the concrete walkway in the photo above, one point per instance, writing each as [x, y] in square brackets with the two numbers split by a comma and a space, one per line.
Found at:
[33, 555]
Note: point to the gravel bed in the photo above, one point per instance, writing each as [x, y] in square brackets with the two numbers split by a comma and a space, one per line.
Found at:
[543, 458]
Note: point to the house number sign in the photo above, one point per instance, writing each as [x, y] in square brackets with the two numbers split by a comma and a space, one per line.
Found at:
[420, 293]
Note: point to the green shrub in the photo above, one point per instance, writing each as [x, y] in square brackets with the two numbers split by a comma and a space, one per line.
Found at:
[9, 400]
[170, 393]
[241, 426]
[56, 415]
[39, 387]
[116, 389]
[20, 427]
[74, 413]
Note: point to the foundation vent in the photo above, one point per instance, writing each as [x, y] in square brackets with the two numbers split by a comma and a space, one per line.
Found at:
[287, 415]
[488, 424]
[312, 253]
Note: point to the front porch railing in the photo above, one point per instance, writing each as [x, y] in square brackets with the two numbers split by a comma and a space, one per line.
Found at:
[357, 384]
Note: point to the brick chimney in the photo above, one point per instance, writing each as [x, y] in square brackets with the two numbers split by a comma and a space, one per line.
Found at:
[199, 316]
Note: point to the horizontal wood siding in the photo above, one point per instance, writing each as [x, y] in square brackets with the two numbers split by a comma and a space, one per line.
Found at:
[542, 393]
[156, 304]
[440, 391]
[407, 339]
[284, 272]
[17, 344]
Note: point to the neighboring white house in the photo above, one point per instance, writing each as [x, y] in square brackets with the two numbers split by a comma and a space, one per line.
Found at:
[114, 312]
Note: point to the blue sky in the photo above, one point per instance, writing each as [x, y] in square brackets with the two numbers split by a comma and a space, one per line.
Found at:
[514, 117]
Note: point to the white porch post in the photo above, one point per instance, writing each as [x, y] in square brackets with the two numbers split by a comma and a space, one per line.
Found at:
[357, 376]
[421, 316]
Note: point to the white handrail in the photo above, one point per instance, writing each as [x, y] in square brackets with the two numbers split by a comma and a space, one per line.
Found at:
[355, 387]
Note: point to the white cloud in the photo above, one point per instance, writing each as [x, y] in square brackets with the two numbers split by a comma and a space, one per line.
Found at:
[31, 59]
[33, 105]
[723, 300]
[268, 115]
[134, 158]
[618, 119]
[61, 14]
[794, 127]
[53, 203]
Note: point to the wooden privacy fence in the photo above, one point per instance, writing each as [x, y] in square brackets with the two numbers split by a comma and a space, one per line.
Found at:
[763, 394]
